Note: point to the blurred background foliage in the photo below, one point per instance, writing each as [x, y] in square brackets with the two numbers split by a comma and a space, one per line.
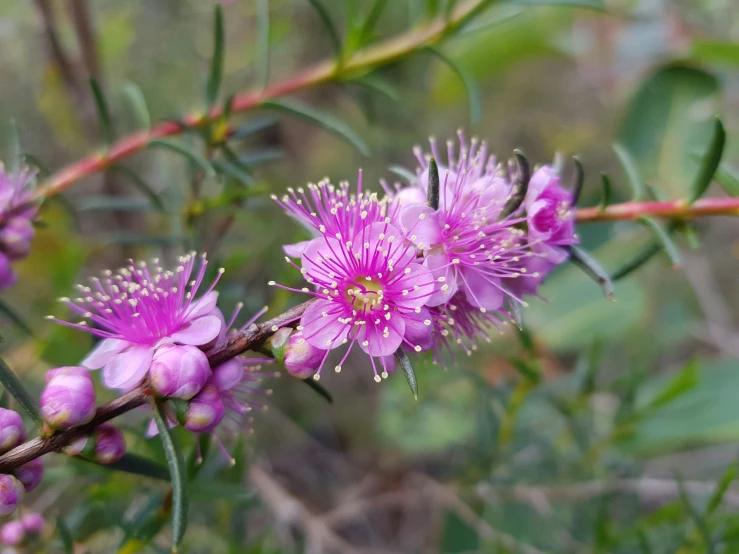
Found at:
[604, 427]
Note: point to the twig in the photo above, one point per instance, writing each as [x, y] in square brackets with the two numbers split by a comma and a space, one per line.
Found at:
[672, 209]
[251, 339]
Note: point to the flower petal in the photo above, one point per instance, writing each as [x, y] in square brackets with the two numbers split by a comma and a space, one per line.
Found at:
[440, 267]
[198, 331]
[321, 325]
[295, 250]
[203, 306]
[421, 223]
[104, 352]
[382, 339]
[483, 291]
[128, 368]
[417, 284]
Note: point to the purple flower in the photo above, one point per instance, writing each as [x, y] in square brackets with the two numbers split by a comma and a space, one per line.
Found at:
[11, 493]
[33, 522]
[12, 533]
[140, 308]
[68, 399]
[369, 290]
[11, 430]
[30, 474]
[205, 411]
[179, 371]
[17, 210]
[8, 276]
[298, 356]
[550, 217]
[110, 446]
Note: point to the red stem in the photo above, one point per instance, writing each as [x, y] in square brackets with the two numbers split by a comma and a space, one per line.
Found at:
[672, 209]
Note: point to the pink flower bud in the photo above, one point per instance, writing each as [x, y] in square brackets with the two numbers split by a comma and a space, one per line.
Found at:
[110, 446]
[33, 522]
[12, 533]
[30, 474]
[205, 411]
[16, 236]
[68, 399]
[227, 375]
[179, 371]
[11, 430]
[300, 358]
[8, 276]
[11, 493]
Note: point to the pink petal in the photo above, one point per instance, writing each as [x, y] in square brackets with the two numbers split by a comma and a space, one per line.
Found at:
[378, 236]
[379, 342]
[104, 352]
[295, 250]
[439, 266]
[324, 331]
[418, 276]
[227, 375]
[203, 306]
[128, 368]
[422, 222]
[417, 332]
[483, 291]
[198, 331]
[322, 248]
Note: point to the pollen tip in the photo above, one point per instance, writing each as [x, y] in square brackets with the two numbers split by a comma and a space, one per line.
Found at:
[271, 284]
[316, 377]
[378, 378]
[337, 369]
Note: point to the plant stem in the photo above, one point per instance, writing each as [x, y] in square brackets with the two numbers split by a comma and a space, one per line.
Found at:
[671, 209]
[365, 60]
[250, 339]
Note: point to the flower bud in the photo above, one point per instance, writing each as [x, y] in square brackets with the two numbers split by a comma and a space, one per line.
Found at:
[110, 446]
[68, 399]
[297, 356]
[179, 371]
[205, 411]
[16, 237]
[227, 375]
[11, 430]
[30, 474]
[12, 533]
[33, 523]
[11, 493]
[8, 276]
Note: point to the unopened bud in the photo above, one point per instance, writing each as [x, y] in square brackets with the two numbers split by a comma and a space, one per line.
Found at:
[205, 411]
[179, 371]
[11, 493]
[30, 474]
[110, 446]
[12, 533]
[11, 430]
[8, 276]
[16, 236]
[68, 399]
[33, 523]
[296, 355]
[227, 375]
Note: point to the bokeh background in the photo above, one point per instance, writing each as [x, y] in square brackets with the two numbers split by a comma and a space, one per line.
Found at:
[605, 427]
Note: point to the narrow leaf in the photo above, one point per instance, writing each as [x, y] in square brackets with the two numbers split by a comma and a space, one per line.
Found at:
[721, 488]
[15, 318]
[43, 171]
[135, 465]
[198, 455]
[16, 389]
[664, 238]
[328, 24]
[710, 162]
[592, 269]
[727, 180]
[179, 477]
[215, 75]
[139, 107]
[606, 193]
[379, 85]
[520, 187]
[14, 148]
[699, 521]
[106, 123]
[140, 184]
[515, 312]
[185, 152]
[638, 189]
[252, 127]
[640, 259]
[328, 122]
[319, 389]
[113, 203]
[432, 196]
[368, 27]
[405, 364]
[404, 173]
[261, 156]
[685, 380]
[262, 43]
[64, 536]
[644, 545]
[578, 180]
[473, 94]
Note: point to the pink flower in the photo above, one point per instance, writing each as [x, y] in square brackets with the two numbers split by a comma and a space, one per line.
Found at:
[11, 493]
[17, 211]
[12, 432]
[30, 474]
[179, 371]
[205, 411]
[68, 400]
[110, 446]
[140, 308]
[298, 356]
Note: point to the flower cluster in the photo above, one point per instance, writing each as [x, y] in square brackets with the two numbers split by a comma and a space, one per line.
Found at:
[427, 265]
[17, 212]
[22, 532]
[26, 477]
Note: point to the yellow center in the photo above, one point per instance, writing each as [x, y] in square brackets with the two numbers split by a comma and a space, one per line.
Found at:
[366, 294]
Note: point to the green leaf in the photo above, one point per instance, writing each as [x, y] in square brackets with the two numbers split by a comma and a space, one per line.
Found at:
[253, 126]
[664, 239]
[137, 465]
[104, 119]
[215, 76]
[404, 173]
[640, 259]
[593, 4]
[379, 85]
[139, 107]
[714, 52]
[592, 269]
[16, 389]
[140, 184]
[606, 194]
[432, 195]
[262, 43]
[328, 24]
[721, 488]
[473, 94]
[685, 380]
[113, 203]
[520, 186]
[638, 189]
[319, 389]
[64, 536]
[185, 152]
[147, 524]
[326, 121]
[179, 477]
[698, 519]
[15, 318]
[405, 364]
[710, 162]
[198, 455]
[368, 27]
[578, 179]
[727, 180]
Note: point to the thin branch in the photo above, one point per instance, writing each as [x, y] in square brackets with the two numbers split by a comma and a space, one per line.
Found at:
[251, 339]
[672, 209]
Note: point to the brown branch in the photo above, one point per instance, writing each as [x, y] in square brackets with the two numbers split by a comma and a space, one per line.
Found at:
[252, 338]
